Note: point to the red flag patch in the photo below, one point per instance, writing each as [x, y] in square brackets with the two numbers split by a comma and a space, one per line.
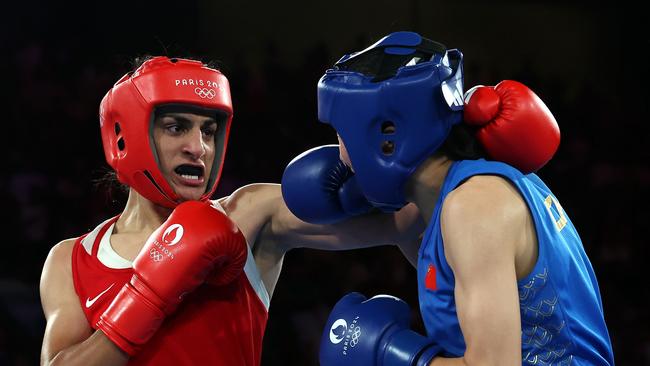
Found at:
[430, 278]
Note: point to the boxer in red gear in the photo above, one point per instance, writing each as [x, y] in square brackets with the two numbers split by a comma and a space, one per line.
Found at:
[107, 296]
[158, 285]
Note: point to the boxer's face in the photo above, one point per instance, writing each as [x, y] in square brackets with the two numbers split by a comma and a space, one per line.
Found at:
[343, 153]
[186, 149]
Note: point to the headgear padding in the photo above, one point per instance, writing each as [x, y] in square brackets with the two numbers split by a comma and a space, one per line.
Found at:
[393, 105]
[127, 117]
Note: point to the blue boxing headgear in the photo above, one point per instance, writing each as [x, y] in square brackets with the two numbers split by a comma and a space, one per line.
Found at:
[393, 105]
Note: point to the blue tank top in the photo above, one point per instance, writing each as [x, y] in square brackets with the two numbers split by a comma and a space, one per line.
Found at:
[561, 311]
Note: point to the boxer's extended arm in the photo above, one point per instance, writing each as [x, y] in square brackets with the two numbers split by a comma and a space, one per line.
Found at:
[68, 338]
[485, 226]
[260, 209]
[271, 229]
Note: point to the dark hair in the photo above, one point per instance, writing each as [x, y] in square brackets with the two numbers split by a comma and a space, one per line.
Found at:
[461, 144]
[108, 182]
[139, 60]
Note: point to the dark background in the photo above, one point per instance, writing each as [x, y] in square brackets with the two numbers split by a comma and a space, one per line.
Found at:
[586, 62]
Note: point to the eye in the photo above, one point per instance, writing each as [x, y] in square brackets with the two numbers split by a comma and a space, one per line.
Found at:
[209, 130]
[174, 128]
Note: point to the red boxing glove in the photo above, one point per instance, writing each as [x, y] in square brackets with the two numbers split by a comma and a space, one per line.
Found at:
[197, 240]
[516, 127]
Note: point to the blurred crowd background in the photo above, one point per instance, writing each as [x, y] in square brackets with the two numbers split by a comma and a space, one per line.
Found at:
[59, 59]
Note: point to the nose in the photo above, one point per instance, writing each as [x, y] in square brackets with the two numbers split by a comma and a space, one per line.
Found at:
[194, 144]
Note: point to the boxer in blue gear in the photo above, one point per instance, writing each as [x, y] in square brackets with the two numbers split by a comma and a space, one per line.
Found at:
[561, 312]
[503, 278]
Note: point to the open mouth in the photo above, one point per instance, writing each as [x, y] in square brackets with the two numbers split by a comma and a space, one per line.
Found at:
[191, 173]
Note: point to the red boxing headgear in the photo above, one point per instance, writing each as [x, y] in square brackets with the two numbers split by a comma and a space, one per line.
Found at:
[126, 116]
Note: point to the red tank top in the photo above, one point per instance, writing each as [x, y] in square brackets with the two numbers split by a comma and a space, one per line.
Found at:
[220, 326]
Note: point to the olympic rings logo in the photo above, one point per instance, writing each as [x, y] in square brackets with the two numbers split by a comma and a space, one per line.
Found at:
[205, 92]
[155, 255]
[355, 336]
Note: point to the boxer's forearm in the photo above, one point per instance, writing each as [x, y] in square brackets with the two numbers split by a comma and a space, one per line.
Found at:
[461, 361]
[96, 350]
[442, 361]
[368, 230]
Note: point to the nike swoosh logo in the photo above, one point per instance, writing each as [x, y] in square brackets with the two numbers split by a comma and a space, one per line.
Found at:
[90, 302]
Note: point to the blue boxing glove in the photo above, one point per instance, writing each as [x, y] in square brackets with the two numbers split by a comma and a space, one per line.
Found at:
[373, 332]
[319, 188]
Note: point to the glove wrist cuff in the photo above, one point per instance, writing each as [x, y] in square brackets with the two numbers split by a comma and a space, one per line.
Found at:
[131, 319]
[408, 348]
[427, 355]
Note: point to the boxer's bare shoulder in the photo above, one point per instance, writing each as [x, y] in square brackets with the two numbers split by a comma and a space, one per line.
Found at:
[58, 265]
[252, 206]
[66, 322]
[490, 206]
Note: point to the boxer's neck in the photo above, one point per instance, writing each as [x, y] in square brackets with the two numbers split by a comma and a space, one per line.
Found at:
[423, 187]
[141, 215]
